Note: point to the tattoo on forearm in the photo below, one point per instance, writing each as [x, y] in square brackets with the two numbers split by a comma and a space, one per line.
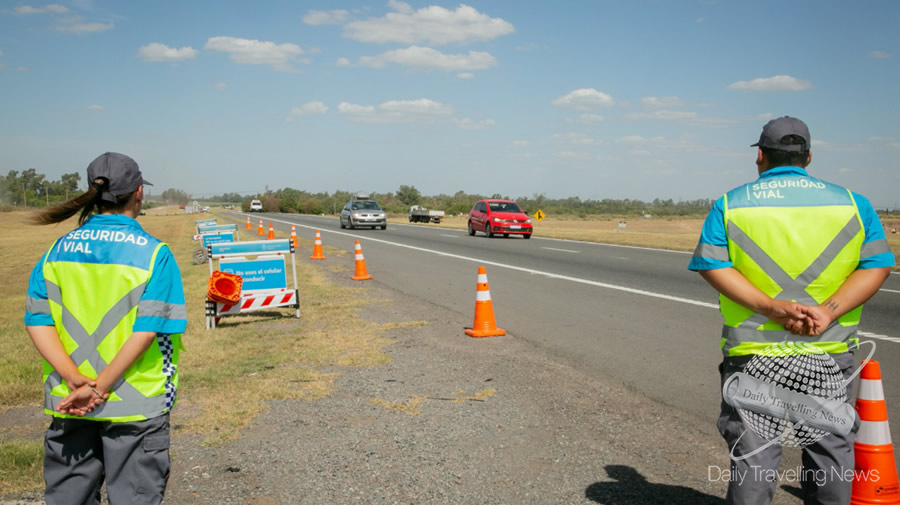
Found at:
[830, 304]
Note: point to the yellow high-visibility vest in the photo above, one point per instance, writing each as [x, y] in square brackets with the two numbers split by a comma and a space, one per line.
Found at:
[795, 238]
[92, 338]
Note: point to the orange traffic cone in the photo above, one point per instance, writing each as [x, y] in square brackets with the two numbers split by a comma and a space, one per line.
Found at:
[317, 248]
[260, 231]
[875, 474]
[294, 237]
[485, 325]
[271, 232]
[361, 273]
[248, 224]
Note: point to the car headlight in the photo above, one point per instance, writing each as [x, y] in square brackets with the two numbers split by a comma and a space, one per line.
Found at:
[356, 215]
[498, 220]
[528, 220]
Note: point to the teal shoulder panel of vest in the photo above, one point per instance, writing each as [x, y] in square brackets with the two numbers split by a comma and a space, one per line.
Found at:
[116, 244]
[788, 191]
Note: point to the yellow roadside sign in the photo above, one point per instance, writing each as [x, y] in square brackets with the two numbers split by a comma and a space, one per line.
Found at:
[539, 215]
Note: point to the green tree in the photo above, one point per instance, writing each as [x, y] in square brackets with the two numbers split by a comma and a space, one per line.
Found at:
[409, 195]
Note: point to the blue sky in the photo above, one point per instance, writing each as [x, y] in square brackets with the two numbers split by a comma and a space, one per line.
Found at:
[596, 99]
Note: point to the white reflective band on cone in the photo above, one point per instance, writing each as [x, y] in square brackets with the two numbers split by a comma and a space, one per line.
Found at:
[359, 256]
[482, 278]
[871, 390]
[481, 296]
[874, 433]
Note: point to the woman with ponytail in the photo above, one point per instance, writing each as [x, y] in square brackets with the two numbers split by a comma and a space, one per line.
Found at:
[105, 309]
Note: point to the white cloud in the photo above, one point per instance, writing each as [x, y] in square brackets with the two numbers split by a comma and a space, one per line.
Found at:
[588, 118]
[470, 124]
[664, 115]
[255, 52]
[156, 51]
[426, 57]
[420, 111]
[77, 26]
[433, 24]
[4, 68]
[700, 19]
[95, 107]
[774, 83]
[342, 62]
[584, 99]
[577, 138]
[221, 86]
[54, 8]
[637, 139]
[880, 55]
[663, 102]
[520, 143]
[465, 75]
[315, 108]
[333, 17]
[821, 145]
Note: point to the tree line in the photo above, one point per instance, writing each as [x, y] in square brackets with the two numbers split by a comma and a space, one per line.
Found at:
[291, 200]
[32, 189]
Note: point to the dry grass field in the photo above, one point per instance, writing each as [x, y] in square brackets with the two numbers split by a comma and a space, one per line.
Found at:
[674, 233]
[664, 233]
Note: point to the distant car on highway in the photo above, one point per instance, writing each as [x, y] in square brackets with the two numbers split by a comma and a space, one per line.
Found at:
[256, 206]
[499, 217]
[363, 211]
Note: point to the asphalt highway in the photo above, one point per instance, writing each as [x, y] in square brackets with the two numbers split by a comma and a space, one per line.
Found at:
[635, 316]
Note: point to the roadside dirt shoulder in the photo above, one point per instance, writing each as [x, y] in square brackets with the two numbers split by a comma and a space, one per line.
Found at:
[454, 419]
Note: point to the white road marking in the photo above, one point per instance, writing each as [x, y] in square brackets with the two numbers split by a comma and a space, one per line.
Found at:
[453, 236]
[878, 336]
[558, 276]
[563, 250]
[888, 290]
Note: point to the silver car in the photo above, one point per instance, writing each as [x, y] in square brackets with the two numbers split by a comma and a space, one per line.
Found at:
[363, 212]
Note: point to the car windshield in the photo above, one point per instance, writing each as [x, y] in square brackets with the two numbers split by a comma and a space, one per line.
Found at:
[367, 204]
[505, 207]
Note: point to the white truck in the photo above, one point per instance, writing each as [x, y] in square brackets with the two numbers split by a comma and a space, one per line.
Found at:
[420, 214]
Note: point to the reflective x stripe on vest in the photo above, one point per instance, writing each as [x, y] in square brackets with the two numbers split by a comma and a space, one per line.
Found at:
[133, 401]
[792, 289]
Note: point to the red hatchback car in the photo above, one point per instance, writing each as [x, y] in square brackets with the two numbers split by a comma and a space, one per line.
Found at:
[499, 217]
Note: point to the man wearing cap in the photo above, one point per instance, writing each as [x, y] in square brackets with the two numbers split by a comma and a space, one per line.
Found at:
[105, 309]
[789, 253]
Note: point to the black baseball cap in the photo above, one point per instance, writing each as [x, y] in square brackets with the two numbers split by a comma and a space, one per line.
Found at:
[120, 171]
[774, 133]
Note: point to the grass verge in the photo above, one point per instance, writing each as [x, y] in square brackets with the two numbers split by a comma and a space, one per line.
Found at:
[227, 374]
[21, 464]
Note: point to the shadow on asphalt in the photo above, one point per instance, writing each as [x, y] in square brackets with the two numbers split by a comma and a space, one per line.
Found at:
[631, 487]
